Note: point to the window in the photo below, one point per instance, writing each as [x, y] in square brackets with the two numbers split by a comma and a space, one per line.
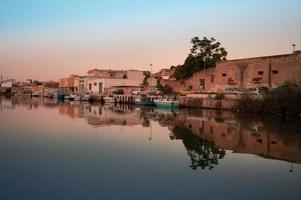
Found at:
[212, 78]
[224, 74]
[95, 84]
[190, 87]
[260, 72]
[90, 86]
[275, 71]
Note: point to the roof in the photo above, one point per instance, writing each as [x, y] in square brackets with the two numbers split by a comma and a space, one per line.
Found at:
[263, 57]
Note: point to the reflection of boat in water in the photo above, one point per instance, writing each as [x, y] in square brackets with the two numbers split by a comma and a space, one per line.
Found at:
[109, 99]
[167, 103]
[167, 109]
[144, 101]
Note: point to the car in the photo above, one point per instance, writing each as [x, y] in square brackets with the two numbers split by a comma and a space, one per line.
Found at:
[138, 91]
[232, 90]
[185, 92]
[155, 91]
[118, 91]
[257, 90]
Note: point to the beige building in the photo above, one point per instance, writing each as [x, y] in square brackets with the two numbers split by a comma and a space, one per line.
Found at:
[67, 84]
[269, 71]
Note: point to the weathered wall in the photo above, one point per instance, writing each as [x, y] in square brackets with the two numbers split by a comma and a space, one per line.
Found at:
[268, 71]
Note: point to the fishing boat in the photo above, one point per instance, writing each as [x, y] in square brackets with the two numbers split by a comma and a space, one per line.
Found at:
[109, 99]
[167, 103]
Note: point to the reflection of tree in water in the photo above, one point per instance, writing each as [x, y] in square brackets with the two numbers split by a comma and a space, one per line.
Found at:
[204, 154]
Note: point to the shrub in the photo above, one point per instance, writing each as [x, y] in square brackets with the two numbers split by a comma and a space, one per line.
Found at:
[219, 96]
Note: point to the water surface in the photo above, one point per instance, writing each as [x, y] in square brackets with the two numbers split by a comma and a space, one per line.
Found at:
[66, 150]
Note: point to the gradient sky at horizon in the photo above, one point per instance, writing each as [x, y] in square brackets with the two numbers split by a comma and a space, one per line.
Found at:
[49, 39]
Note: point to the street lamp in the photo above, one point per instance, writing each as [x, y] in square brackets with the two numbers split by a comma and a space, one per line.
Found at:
[151, 71]
[294, 47]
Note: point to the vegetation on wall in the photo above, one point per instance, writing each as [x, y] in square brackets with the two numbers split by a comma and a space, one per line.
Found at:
[203, 55]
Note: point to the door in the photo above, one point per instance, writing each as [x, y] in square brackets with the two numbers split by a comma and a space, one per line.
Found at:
[100, 88]
[202, 84]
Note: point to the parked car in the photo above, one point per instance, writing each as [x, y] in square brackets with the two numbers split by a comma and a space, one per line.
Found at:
[232, 90]
[184, 92]
[118, 91]
[156, 91]
[138, 91]
[257, 90]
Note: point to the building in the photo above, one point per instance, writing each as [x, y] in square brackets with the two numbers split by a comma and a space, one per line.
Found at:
[102, 73]
[81, 84]
[67, 84]
[99, 85]
[269, 71]
[8, 83]
[50, 88]
[165, 74]
[103, 81]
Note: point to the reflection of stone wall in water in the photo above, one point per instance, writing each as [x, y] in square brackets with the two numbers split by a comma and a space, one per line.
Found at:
[271, 139]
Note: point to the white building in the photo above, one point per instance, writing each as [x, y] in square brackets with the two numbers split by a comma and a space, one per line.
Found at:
[81, 84]
[98, 85]
[8, 83]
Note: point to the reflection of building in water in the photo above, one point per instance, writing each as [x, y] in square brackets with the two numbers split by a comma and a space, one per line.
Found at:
[99, 115]
[245, 136]
[29, 103]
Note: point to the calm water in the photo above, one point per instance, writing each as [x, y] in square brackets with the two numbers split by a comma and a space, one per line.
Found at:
[52, 150]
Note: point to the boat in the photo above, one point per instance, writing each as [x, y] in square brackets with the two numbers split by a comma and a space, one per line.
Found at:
[109, 99]
[70, 97]
[86, 97]
[167, 103]
[60, 96]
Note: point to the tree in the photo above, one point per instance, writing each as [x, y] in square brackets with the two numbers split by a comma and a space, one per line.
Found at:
[159, 85]
[146, 76]
[203, 55]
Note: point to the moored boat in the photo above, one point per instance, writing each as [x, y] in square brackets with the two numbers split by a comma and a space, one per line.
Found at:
[60, 96]
[109, 99]
[70, 97]
[167, 103]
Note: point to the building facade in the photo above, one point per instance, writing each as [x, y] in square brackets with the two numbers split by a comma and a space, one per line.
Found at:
[269, 71]
[67, 84]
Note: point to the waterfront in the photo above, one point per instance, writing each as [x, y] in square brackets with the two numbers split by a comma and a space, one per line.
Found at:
[72, 150]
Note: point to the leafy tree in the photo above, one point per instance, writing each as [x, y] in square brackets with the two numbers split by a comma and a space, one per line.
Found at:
[146, 76]
[159, 85]
[203, 55]
[167, 89]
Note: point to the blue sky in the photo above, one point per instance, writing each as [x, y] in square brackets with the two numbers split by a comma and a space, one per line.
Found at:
[61, 37]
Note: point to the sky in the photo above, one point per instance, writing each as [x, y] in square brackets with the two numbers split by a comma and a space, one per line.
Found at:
[50, 39]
